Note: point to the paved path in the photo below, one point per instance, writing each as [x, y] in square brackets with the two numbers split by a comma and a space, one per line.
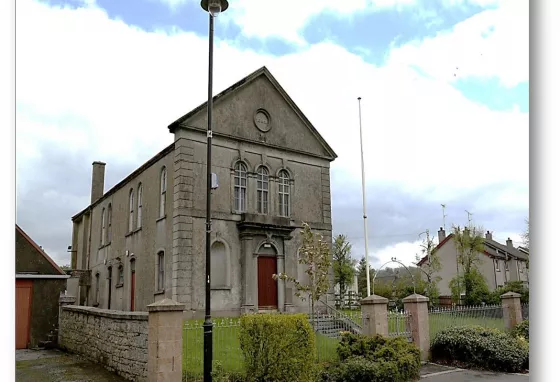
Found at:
[437, 373]
[56, 366]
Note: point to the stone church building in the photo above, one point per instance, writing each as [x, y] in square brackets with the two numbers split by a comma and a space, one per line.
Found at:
[144, 239]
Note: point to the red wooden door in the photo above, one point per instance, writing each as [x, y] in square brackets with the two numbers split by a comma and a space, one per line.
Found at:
[24, 290]
[132, 288]
[268, 290]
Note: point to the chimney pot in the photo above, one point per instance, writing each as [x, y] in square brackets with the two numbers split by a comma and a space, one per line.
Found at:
[97, 181]
[509, 243]
[488, 235]
[441, 234]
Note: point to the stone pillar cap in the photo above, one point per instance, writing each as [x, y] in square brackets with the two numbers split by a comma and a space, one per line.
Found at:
[510, 295]
[416, 298]
[374, 299]
[67, 298]
[166, 305]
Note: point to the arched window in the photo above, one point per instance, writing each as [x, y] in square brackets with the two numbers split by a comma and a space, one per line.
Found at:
[284, 193]
[160, 271]
[96, 298]
[109, 223]
[103, 227]
[262, 190]
[131, 210]
[240, 187]
[139, 213]
[163, 191]
[219, 266]
[121, 275]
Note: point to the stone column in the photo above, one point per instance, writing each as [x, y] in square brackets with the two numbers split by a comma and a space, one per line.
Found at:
[417, 306]
[281, 283]
[165, 341]
[248, 275]
[374, 311]
[63, 300]
[511, 306]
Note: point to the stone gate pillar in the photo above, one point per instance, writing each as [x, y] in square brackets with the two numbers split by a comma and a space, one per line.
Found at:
[511, 306]
[417, 306]
[374, 313]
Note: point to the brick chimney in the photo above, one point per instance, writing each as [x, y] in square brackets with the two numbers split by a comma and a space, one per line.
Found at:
[488, 235]
[509, 243]
[441, 234]
[97, 181]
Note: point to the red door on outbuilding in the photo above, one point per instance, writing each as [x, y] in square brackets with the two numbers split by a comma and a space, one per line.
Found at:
[24, 291]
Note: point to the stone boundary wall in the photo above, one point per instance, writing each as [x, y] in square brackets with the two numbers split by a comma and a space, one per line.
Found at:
[117, 340]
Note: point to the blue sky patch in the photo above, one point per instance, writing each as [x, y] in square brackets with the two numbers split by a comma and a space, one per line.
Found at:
[492, 94]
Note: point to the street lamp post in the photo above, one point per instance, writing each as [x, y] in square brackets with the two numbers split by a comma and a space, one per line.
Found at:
[213, 7]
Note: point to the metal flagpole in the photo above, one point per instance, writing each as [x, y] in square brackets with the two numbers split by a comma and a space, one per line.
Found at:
[368, 288]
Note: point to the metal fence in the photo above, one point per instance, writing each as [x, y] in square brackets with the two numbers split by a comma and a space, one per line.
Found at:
[490, 316]
[525, 311]
[399, 325]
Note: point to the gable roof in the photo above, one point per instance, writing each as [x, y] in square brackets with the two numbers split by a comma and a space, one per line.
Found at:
[263, 71]
[491, 248]
[40, 250]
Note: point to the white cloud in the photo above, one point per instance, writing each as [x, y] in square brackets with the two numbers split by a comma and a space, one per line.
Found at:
[405, 252]
[492, 43]
[109, 90]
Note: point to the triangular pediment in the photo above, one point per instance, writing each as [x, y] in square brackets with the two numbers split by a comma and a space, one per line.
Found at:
[257, 109]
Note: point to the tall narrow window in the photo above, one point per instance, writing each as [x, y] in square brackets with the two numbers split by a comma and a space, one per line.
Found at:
[97, 289]
[284, 193]
[109, 223]
[240, 187]
[139, 213]
[131, 211]
[160, 271]
[262, 190]
[103, 227]
[121, 275]
[163, 191]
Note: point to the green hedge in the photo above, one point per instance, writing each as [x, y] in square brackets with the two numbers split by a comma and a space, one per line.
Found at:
[278, 347]
[373, 359]
[475, 346]
[522, 329]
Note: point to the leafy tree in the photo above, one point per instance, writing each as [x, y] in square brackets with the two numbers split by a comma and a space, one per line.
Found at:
[525, 235]
[344, 266]
[362, 281]
[479, 292]
[469, 244]
[430, 268]
[316, 255]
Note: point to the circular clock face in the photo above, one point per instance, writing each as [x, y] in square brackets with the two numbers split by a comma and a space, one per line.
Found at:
[262, 120]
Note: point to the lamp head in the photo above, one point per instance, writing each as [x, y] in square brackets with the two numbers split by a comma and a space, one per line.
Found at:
[214, 7]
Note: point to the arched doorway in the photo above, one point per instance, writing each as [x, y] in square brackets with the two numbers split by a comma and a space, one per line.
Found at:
[267, 286]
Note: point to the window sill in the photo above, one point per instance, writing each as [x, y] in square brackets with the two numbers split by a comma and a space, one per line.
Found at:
[137, 230]
[161, 218]
[119, 285]
[96, 305]
[220, 288]
[105, 245]
[159, 292]
[129, 234]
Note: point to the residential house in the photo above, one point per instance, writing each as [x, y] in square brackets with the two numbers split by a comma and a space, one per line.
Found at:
[144, 239]
[498, 264]
[39, 283]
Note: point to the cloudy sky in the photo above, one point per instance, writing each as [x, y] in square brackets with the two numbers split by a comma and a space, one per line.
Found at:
[444, 87]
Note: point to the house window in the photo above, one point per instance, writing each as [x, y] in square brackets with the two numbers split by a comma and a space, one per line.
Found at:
[121, 275]
[262, 190]
[240, 187]
[109, 223]
[139, 214]
[219, 266]
[160, 271]
[163, 191]
[284, 193]
[506, 266]
[131, 211]
[96, 289]
[103, 228]
[497, 264]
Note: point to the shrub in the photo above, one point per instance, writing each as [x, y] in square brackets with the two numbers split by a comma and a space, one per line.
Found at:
[522, 329]
[511, 286]
[480, 347]
[219, 374]
[363, 358]
[278, 348]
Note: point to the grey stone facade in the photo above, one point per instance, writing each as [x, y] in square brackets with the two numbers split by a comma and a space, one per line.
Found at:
[257, 128]
[117, 340]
